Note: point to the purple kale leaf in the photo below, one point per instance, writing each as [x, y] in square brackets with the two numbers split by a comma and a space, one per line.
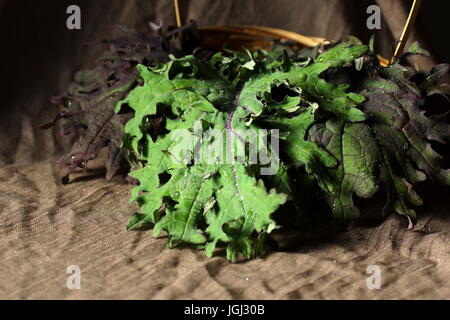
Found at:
[87, 106]
[395, 148]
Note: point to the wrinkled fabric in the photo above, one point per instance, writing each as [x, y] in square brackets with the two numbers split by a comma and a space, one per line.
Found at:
[46, 227]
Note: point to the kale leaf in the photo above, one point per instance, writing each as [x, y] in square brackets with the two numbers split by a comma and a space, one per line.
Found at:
[392, 150]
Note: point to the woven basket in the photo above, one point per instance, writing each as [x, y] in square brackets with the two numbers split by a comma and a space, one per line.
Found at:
[257, 37]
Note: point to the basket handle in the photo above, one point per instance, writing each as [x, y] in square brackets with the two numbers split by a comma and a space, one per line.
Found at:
[176, 5]
[407, 29]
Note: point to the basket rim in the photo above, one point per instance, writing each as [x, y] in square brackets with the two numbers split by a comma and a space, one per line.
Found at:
[260, 33]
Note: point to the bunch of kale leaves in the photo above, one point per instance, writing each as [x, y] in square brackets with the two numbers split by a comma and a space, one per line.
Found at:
[345, 125]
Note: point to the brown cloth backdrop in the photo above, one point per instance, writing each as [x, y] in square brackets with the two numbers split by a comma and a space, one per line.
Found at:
[46, 227]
